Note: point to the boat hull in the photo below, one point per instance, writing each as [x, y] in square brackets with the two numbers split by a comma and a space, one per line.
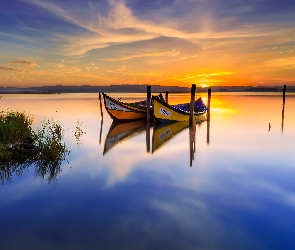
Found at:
[122, 111]
[164, 112]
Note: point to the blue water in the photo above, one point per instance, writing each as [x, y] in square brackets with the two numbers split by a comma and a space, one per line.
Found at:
[238, 193]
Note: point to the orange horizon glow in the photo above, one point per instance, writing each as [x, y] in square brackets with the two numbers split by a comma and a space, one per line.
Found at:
[127, 44]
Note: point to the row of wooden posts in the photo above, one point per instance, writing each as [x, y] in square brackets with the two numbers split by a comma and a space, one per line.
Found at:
[193, 91]
[192, 127]
[149, 93]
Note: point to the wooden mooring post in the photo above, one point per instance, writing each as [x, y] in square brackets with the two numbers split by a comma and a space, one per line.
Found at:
[284, 95]
[148, 102]
[209, 100]
[166, 96]
[193, 93]
[208, 115]
[148, 118]
[101, 113]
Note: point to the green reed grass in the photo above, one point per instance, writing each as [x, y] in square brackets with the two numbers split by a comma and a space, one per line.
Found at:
[16, 127]
[21, 146]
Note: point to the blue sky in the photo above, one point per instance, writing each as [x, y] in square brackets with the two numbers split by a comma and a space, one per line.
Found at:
[167, 42]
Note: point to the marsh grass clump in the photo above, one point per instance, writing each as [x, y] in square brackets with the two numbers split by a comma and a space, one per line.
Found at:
[21, 146]
[16, 127]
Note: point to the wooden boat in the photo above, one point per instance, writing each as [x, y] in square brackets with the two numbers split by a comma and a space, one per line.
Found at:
[163, 112]
[163, 132]
[122, 111]
[120, 131]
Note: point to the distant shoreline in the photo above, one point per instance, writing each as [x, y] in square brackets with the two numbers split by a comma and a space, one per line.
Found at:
[59, 89]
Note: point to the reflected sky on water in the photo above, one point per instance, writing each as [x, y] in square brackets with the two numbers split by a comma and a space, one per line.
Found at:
[239, 192]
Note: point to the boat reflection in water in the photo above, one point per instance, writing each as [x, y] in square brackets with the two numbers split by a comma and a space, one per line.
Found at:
[120, 131]
[162, 133]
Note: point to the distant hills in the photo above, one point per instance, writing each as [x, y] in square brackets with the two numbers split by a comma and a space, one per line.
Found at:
[137, 89]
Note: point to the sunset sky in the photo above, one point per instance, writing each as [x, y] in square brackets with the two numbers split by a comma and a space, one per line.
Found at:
[162, 42]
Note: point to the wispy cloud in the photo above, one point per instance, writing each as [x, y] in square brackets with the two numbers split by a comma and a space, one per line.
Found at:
[217, 73]
[120, 25]
[11, 69]
[173, 53]
[32, 64]
[282, 62]
[19, 37]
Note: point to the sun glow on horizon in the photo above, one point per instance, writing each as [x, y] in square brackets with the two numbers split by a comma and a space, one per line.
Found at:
[131, 42]
[203, 85]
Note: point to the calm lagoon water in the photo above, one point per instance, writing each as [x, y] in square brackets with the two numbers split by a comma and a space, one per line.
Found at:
[237, 193]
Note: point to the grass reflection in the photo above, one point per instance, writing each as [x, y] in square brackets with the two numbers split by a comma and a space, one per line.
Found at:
[21, 147]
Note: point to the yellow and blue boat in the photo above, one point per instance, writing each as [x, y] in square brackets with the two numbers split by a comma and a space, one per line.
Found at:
[163, 112]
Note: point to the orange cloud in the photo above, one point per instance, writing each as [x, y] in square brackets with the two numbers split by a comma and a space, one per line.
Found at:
[11, 69]
[32, 64]
[141, 55]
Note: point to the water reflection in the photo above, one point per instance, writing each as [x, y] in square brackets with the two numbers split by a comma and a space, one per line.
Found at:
[161, 133]
[283, 113]
[45, 167]
[148, 137]
[120, 131]
[100, 133]
[239, 194]
[164, 132]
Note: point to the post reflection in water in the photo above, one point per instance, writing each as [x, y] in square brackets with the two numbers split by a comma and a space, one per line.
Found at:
[208, 126]
[101, 114]
[283, 115]
[148, 137]
[100, 133]
[283, 109]
[192, 140]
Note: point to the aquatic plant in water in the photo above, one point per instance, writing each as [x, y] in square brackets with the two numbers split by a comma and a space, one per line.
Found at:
[16, 127]
[22, 147]
[78, 133]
